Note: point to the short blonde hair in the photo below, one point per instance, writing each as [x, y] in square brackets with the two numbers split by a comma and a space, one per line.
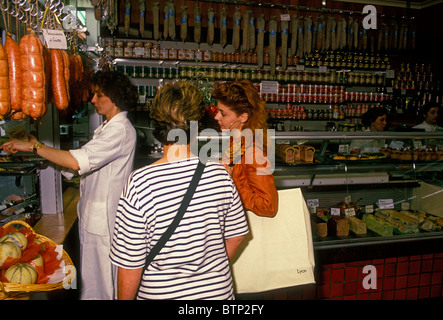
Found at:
[175, 105]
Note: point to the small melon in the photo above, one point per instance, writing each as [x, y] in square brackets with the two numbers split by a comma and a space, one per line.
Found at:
[37, 261]
[9, 249]
[17, 237]
[22, 273]
[38, 241]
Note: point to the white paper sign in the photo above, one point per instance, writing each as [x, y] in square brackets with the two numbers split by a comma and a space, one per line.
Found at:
[335, 211]
[55, 39]
[349, 212]
[269, 87]
[369, 208]
[386, 204]
[312, 202]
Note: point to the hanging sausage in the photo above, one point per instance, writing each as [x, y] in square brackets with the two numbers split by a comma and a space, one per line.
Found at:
[127, 16]
[156, 21]
[223, 27]
[272, 44]
[165, 21]
[294, 34]
[301, 46]
[34, 84]
[236, 29]
[355, 27]
[260, 39]
[15, 73]
[141, 6]
[308, 35]
[60, 87]
[333, 34]
[245, 32]
[171, 20]
[197, 24]
[284, 43]
[320, 38]
[350, 33]
[251, 32]
[5, 96]
[183, 23]
[343, 27]
[210, 35]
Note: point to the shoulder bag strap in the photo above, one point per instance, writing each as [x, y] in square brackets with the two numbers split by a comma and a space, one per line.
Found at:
[181, 211]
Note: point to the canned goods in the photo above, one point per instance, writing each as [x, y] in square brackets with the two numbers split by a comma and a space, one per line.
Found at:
[181, 54]
[155, 53]
[207, 55]
[189, 54]
[109, 51]
[164, 54]
[172, 54]
[147, 53]
[138, 51]
[198, 55]
[127, 52]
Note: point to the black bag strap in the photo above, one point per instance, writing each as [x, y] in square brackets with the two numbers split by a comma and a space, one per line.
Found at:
[181, 211]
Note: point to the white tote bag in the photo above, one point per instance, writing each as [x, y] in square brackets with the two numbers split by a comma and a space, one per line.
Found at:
[278, 252]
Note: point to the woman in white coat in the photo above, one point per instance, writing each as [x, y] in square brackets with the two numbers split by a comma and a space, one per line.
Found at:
[104, 164]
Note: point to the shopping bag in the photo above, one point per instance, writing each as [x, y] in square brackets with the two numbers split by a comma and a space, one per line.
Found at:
[278, 252]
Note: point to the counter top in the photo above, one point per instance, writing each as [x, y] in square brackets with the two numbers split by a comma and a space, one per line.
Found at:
[57, 226]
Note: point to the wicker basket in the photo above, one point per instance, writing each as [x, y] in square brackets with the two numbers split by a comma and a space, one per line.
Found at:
[10, 291]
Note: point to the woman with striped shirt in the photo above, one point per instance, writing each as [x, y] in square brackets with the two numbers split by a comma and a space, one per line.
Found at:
[194, 263]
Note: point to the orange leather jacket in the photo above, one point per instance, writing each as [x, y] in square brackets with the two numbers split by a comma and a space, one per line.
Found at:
[255, 183]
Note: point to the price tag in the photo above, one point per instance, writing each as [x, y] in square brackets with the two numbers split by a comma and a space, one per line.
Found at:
[54, 39]
[349, 212]
[322, 69]
[417, 144]
[396, 144]
[405, 205]
[343, 148]
[386, 203]
[269, 87]
[335, 211]
[312, 202]
[285, 17]
[390, 74]
[300, 67]
[369, 208]
[283, 142]
[348, 199]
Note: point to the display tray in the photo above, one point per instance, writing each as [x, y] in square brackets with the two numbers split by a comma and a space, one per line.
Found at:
[371, 236]
[20, 165]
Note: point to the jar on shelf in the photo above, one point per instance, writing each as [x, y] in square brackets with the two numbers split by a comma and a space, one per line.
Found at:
[118, 49]
[181, 54]
[172, 54]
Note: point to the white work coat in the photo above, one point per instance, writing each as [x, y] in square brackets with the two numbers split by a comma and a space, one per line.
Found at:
[105, 162]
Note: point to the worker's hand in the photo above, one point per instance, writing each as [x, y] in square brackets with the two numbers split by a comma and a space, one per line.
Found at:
[15, 145]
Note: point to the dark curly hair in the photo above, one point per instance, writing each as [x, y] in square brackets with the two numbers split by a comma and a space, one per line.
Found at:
[175, 105]
[372, 114]
[118, 87]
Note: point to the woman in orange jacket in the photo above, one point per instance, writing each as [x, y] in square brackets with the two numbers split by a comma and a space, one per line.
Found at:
[241, 110]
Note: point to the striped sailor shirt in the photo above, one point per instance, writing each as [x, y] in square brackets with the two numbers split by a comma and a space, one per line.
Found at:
[193, 264]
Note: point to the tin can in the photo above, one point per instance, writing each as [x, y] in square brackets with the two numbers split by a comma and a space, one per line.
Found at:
[181, 54]
[190, 54]
[207, 55]
[198, 54]
[164, 53]
[172, 55]
[155, 53]
[147, 53]
[127, 52]
[110, 51]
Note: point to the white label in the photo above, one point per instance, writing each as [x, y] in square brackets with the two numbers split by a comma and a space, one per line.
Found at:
[396, 144]
[285, 17]
[349, 212]
[312, 202]
[322, 69]
[348, 199]
[405, 205]
[386, 203]
[335, 211]
[343, 148]
[269, 87]
[312, 209]
[54, 39]
[369, 208]
[390, 74]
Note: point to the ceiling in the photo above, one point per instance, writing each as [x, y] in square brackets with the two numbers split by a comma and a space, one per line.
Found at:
[414, 4]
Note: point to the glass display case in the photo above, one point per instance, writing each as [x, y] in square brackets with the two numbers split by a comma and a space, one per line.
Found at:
[396, 192]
